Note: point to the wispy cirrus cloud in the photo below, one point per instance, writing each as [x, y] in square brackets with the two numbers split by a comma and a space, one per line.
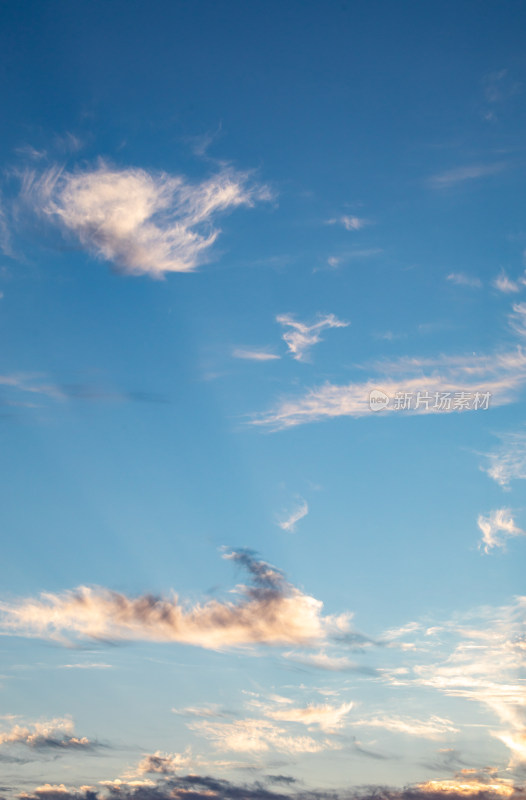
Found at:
[270, 611]
[507, 285]
[518, 318]
[289, 522]
[300, 336]
[477, 656]
[432, 728]
[144, 223]
[325, 661]
[508, 462]
[249, 354]
[502, 375]
[462, 279]
[463, 174]
[325, 716]
[496, 528]
[254, 735]
[350, 223]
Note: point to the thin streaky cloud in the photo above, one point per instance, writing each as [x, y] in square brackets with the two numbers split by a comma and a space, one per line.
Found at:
[290, 521]
[254, 355]
[433, 728]
[508, 462]
[459, 175]
[325, 716]
[506, 285]
[324, 661]
[496, 528]
[6, 246]
[144, 223]
[350, 223]
[461, 279]
[502, 375]
[94, 665]
[300, 336]
[477, 656]
[517, 318]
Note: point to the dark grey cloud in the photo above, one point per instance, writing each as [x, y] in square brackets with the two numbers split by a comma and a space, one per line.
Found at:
[197, 787]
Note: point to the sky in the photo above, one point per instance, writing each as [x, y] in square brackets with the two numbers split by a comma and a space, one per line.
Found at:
[262, 427]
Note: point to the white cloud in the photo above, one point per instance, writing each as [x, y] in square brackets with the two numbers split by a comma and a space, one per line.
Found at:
[54, 733]
[518, 318]
[478, 656]
[5, 234]
[502, 375]
[468, 783]
[270, 611]
[467, 173]
[300, 336]
[505, 284]
[325, 716]
[256, 736]
[254, 355]
[461, 279]
[142, 222]
[89, 665]
[509, 461]
[496, 527]
[322, 660]
[350, 223]
[433, 728]
[289, 523]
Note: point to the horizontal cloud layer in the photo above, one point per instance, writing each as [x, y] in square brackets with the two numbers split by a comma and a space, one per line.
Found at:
[439, 381]
[481, 785]
[270, 611]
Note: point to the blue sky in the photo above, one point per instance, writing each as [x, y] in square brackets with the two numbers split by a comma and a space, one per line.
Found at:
[224, 228]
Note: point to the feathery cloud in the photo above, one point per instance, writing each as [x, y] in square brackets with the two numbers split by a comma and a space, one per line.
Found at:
[518, 318]
[496, 527]
[433, 728]
[324, 661]
[505, 284]
[502, 375]
[508, 462]
[300, 337]
[270, 611]
[255, 736]
[461, 279]
[478, 656]
[144, 223]
[452, 177]
[325, 716]
[350, 223]
[290, 521]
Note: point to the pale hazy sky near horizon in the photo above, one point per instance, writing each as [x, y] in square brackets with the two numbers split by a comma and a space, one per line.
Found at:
[263, 304]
